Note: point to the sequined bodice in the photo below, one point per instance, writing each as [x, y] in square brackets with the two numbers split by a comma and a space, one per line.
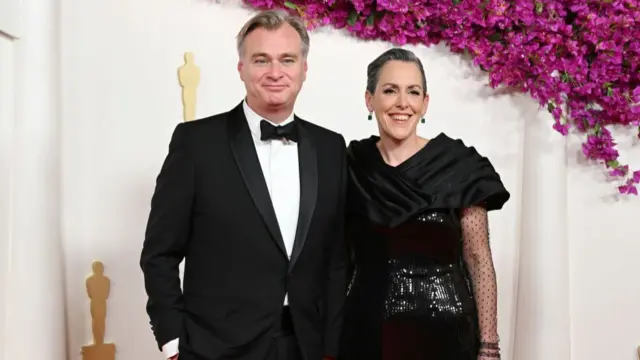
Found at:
[424, 272]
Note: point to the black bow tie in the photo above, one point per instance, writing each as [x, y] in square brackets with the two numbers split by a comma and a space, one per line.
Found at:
[271, 132]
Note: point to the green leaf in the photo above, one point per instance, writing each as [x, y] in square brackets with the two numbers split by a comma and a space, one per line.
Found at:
[550, 106]
[613, 163]
[370, 20]
[597, 129]
[290, 5]
[353, 17]
[495, 37]
[456, 2]
[539, 7]
[563, 120]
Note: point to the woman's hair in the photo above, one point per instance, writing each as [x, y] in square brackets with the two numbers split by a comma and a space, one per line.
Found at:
[395, 54]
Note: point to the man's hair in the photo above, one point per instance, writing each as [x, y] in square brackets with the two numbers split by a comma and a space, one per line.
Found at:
[273, 20]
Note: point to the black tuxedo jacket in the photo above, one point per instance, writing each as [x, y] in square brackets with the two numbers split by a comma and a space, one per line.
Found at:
[211, 207]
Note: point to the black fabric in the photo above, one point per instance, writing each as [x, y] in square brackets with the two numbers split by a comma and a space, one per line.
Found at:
[272, 132]
[211, 208]
[285, 345]
[411, 296]
[444, 174]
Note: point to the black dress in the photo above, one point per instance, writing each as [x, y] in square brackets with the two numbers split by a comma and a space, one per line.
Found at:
[416, 273]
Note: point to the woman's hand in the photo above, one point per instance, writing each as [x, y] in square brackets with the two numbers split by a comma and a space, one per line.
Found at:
[488, 356]
[489, 351]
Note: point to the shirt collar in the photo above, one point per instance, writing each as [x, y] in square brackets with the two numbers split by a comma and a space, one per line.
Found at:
[253, 119]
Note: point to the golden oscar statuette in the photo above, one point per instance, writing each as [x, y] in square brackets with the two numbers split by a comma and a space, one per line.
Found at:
[189, 79]
[98, 288]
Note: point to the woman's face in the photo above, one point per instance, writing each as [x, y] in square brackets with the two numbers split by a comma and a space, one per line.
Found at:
[399, 101]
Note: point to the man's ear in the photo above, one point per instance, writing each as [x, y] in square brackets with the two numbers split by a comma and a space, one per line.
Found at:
[240, 65]
[305, 68]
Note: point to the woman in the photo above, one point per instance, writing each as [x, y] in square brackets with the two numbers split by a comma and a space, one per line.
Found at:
[424, 285]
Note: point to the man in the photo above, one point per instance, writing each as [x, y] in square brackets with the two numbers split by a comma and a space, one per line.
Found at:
[253, 200]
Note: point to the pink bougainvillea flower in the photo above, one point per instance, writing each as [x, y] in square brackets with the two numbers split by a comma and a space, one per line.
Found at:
[580, 59]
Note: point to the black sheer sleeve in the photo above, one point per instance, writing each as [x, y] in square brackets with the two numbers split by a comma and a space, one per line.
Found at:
[477, 256]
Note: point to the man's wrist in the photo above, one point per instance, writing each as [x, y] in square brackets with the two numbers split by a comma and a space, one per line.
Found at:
[170, 349]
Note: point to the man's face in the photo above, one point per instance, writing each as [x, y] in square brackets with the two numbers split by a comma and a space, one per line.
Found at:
[272, 67]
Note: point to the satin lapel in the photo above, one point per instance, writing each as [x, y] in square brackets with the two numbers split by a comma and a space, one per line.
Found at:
[308, 163]
[246, 157]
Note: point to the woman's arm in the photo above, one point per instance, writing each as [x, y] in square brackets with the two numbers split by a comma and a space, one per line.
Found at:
[477, 255]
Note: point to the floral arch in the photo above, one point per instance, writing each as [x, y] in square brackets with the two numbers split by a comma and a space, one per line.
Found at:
[580, 59]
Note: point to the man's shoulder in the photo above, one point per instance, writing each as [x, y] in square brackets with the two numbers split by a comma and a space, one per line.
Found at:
[207, 125]
[322, 132]
[212, 120]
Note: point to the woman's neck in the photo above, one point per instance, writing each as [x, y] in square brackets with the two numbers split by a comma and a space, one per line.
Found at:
[396, 152]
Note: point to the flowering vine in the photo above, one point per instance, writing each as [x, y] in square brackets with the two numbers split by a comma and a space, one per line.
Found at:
[580, 59]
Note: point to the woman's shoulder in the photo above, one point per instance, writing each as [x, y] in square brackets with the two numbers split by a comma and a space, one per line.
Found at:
[362, 149]
[455, 148]
[462, 168]
[363, 142]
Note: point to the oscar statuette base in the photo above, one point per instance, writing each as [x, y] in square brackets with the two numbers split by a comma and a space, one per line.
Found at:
[99, 352]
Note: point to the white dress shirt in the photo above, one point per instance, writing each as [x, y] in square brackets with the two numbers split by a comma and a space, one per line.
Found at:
[279, 162]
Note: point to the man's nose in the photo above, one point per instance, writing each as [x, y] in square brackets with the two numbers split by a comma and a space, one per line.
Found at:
[275, 71]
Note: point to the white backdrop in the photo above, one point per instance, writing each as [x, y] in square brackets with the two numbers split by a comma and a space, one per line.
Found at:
[6, 122]
[566, 271]
[115, 136]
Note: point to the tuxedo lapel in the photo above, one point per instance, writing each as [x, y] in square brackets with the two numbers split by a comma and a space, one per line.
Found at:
[246, 157]
[307, 160]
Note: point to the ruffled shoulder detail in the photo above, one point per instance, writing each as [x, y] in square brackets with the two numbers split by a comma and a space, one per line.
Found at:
[461, 177]
[445, 174]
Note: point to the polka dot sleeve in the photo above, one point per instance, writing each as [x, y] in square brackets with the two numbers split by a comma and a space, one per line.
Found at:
[477, 255]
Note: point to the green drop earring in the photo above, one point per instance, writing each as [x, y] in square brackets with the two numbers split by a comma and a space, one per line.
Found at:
[423, 120]
[370, 117]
